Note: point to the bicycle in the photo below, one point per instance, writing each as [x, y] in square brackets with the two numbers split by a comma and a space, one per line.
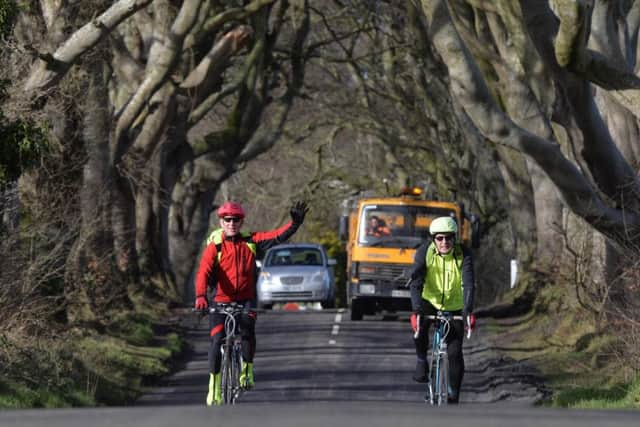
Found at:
[231, 351]
[438, 385]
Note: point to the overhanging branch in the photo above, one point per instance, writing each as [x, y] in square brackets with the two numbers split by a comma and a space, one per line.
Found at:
[48, 70]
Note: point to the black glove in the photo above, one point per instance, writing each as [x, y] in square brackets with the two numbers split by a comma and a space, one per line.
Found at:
[298, 211]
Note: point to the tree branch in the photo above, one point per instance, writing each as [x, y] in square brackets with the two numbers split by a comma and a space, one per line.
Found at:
[48, 71]
[227, 46]
[161, 62]
[469, 87]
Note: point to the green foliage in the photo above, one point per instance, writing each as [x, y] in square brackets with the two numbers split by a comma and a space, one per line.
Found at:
[15, 395]
[38, 373]
[22, 146]
[85, 370]
[133, 328]
[115, 370]
[8, 11]
[626, 395]
[22, 142]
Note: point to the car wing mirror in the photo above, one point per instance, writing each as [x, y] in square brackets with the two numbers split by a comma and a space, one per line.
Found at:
[258, 263]
[332, 261]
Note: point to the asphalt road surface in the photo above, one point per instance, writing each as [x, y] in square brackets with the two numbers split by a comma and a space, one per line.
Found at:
[322, 356]
[317, 368]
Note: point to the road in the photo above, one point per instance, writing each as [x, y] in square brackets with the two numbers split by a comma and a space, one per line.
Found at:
[317, 368]
[315, 356]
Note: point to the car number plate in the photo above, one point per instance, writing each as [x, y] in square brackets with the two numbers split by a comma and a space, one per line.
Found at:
[293, 288]
[400, 293]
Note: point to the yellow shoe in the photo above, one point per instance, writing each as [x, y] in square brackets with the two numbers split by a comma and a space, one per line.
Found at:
[246, 376]
[214, 397]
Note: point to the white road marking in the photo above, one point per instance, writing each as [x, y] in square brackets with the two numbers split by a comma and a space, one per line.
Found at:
[335, 330]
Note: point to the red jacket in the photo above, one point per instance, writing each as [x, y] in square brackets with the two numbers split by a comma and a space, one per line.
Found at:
[235, 277]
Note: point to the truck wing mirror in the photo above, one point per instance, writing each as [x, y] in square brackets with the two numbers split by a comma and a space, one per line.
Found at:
[343, 230]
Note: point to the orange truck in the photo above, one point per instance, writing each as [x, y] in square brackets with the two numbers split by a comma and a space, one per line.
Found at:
[378, 262]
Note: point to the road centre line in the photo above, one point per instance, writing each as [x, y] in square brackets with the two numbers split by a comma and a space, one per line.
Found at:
[335, 330]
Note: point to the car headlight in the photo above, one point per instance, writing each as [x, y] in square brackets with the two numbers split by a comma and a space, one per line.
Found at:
[265, 277]
[319, 277]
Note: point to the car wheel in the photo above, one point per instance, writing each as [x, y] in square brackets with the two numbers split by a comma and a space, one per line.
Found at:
[330, 303]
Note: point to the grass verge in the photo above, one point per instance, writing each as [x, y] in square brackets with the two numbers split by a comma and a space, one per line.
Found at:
[85, 368]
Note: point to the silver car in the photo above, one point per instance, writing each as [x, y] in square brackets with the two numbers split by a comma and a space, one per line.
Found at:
[296, 273]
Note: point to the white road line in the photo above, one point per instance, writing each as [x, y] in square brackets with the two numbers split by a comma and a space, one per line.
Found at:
[335, 330]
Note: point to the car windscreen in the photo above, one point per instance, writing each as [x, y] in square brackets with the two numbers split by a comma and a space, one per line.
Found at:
[397, 225]
[293, 256]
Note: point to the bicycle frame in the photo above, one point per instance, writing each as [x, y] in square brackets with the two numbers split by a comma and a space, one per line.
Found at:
[231, 352]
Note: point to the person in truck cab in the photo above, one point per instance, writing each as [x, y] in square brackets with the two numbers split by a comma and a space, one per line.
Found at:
[228, 266]
[442, 279]
[377, 227]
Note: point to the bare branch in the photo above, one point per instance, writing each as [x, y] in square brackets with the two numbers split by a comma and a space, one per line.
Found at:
[469, 87]
[227, 46]
[161, 62]
[235, 14]
[48, 71]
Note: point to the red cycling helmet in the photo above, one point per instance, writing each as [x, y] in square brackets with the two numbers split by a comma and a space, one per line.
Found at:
[231, 209]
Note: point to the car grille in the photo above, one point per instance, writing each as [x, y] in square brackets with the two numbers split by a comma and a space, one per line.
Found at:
[396, 274]
[291, 295]
[291, 280]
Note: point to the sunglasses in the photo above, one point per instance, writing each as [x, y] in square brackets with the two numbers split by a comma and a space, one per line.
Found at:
[231, 219]
[441, 238]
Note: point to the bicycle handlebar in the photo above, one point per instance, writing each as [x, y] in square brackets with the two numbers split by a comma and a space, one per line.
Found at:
[221, 308]
[447, 317]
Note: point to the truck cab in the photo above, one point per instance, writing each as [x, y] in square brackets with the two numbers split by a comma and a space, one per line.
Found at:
[381, 237]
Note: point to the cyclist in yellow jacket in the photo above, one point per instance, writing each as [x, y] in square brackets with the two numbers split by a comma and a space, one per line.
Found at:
[442, 279]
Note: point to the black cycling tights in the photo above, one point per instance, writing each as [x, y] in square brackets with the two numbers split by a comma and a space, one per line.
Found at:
[247, 325]
[454, 346]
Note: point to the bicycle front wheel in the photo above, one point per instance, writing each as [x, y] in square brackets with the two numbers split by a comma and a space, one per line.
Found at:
[443, 379]
[236, 369]
[227, 378]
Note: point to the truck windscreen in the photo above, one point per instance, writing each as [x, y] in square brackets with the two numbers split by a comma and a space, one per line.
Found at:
[397, 225]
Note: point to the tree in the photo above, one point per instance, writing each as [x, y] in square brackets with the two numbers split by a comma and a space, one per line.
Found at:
[504, 57]
[167, 100]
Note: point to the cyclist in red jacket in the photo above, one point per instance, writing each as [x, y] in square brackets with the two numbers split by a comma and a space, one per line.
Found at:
[228, 266]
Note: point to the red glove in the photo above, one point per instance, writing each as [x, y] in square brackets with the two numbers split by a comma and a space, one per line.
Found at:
[470, 324]
[414, 322]
[201, 303]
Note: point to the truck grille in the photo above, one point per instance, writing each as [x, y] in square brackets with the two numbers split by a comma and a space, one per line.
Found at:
[380, 273]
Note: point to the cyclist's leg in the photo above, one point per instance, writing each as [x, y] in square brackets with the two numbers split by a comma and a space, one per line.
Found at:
[248, 332]
[216, 335]
[456, 360]
[422, 344]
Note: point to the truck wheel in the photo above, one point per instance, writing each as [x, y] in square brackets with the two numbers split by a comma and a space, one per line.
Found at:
[356, 310]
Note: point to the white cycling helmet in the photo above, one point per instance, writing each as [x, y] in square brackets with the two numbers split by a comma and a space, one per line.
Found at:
[443, 224]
